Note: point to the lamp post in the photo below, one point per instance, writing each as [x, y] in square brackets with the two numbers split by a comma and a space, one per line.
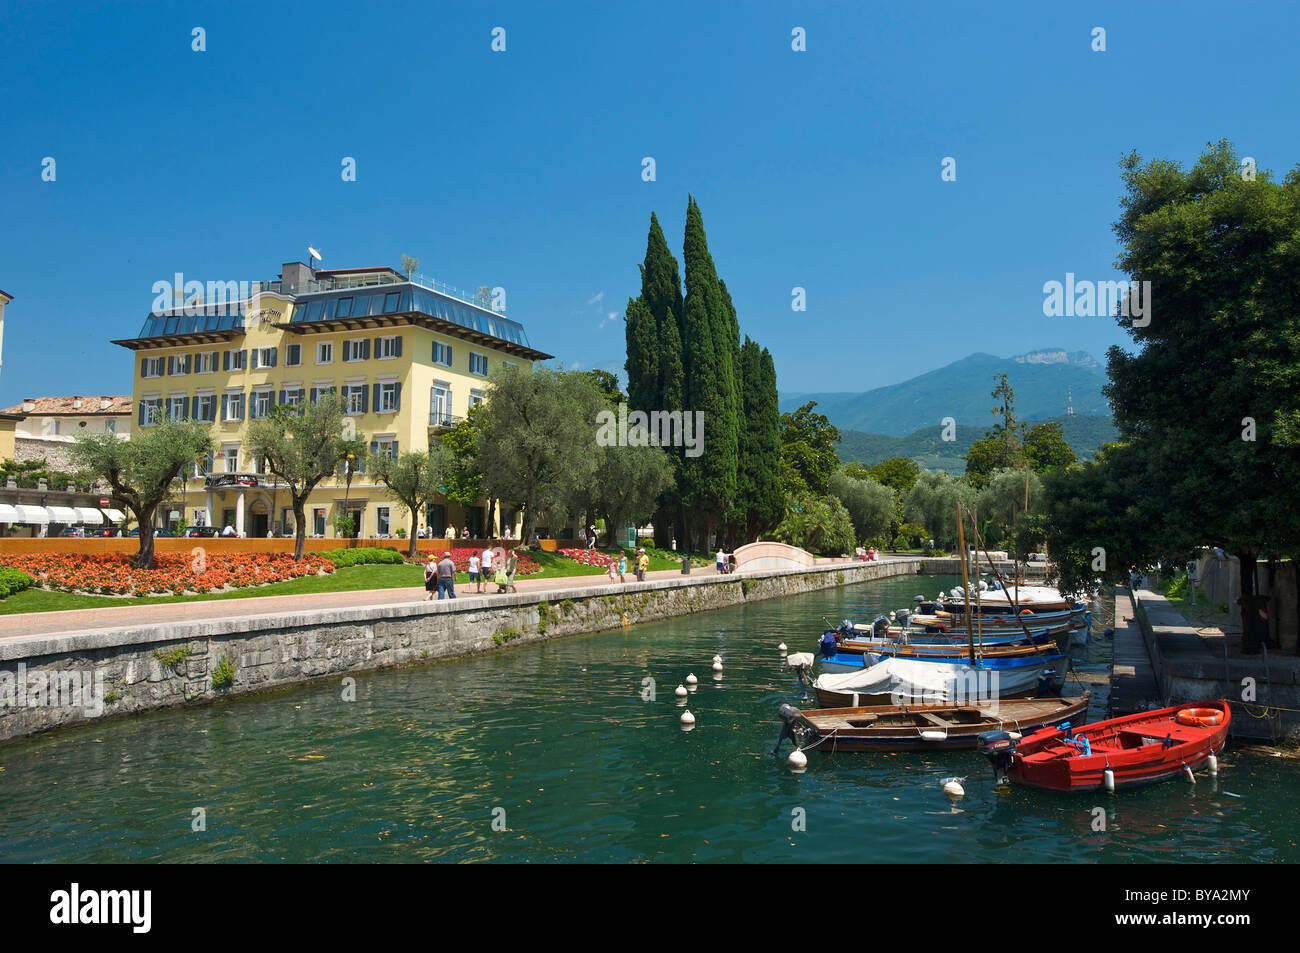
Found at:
[347, 492]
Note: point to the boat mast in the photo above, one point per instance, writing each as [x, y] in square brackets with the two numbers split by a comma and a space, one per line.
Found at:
[965, 584]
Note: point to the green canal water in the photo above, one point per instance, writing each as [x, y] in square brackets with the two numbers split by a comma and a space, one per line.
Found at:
[554, 743]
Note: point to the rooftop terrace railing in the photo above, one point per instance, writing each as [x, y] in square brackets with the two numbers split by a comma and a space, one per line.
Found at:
[379, 278]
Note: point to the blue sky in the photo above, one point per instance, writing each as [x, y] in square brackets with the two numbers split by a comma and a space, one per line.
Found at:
[522, 169]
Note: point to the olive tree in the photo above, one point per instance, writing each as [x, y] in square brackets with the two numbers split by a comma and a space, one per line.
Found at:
[141, 470]
[414, 480]
[303, 444]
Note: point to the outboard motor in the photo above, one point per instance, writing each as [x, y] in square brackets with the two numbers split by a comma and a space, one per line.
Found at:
[903, 616]
[794, 726]
[845, 631]
[1000, 748]
[829, 645]
[880, 627]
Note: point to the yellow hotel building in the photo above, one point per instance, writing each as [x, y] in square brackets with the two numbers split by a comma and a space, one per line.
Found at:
[408, 356]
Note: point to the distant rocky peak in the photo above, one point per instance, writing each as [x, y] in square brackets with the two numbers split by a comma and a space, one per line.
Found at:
[1057, 356]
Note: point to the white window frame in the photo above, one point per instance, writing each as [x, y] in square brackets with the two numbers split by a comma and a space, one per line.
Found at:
[476, 397]
[157, 364]
[481, 358]
[233, 399]
[172, 399]
[387, 342]
[238, 359]
[205, 357]
[441, 350]
[349, 392]
[383, 514]
[387, 398]
[326, 348]
[351, 346]
[229, 458]
[253, 400]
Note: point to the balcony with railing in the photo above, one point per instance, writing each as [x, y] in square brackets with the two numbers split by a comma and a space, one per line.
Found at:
[441, 421]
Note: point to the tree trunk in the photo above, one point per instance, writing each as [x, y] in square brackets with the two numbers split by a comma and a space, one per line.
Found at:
[1249, 611]
[299, 527]
[415, 526]
[144, 559]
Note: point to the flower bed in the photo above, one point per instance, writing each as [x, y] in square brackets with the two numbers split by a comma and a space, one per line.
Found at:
[177, 573]
[588, 557]
[525, 566]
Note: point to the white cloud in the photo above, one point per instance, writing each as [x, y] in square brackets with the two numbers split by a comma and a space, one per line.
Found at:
[600, 296]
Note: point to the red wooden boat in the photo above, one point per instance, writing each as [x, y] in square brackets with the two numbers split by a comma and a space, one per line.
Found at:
[1121, 752]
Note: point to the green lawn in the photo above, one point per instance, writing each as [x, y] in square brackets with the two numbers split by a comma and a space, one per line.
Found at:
[350, 579]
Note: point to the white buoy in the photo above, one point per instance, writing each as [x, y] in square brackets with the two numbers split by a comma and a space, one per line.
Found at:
[934, 736]
[691, 680]
[717, 666]
[680, 691]
[1213, 764]
[797, 760]
[688, 718]
[781, 648]
[717, 659]
[1187, 773]
[1108, 778]
[1014, 735]
[953, 787]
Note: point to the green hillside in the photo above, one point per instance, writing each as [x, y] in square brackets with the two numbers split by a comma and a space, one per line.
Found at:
[1084, 434]
[1043, 380]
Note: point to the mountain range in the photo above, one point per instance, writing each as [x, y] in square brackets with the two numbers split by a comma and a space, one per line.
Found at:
[1044, 382]
[906, 419]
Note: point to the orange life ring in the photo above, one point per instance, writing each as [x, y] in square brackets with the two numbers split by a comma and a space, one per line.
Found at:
[1200, 717]
[1026, 611]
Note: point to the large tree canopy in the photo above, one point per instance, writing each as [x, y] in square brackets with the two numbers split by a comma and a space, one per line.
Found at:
[140, 470]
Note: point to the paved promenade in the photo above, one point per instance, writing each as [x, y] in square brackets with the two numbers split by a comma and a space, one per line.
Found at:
[81, 621]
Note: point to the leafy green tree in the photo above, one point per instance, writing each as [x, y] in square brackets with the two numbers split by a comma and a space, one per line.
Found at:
[1045, 448]
[414, 480]
[897, 473]
[871, 505]
[820, 525]
[462, 479]
[537, 438]
[1006, 500]
[140, 470]
[302, 445]
[808, 455]
[932, 503]
[642, 364]
[626, 485]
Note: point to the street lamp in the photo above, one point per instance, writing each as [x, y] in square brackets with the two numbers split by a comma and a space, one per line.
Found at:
[347, 473]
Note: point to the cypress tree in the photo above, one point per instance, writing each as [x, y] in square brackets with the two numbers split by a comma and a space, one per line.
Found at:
[758, 483]
[642, 356]
[709, 479]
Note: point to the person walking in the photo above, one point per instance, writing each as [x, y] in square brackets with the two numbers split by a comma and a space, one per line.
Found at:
[611, 569]
[622, 565]
[486, 563]
[642, 564]
[721, 561]
[591, 536]
[430, 577]
[446, 577]
[512, 563]
[474, 576]
[582, 536]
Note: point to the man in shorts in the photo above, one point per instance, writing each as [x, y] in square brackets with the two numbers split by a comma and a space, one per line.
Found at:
[474, 576]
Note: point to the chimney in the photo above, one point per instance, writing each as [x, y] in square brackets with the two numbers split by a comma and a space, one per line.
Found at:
[295, 277]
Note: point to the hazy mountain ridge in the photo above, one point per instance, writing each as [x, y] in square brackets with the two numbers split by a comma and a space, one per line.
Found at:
[926, 446]
[1044, 381]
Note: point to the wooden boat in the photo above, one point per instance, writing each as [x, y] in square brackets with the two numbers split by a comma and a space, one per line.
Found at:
[1106, 755]
[1060, 636]
[956, 652]
[897, 681]
[922, 727]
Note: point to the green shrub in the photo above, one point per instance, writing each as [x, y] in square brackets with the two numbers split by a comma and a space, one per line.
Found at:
[223, 676]
[174, 657]
[364, 555]
[13, 580]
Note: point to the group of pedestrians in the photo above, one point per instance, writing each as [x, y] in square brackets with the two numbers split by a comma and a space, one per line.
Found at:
[618, 567]
[440, 574]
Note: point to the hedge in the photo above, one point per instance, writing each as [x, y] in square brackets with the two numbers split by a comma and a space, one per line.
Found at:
[364, 555]
[13, 580]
